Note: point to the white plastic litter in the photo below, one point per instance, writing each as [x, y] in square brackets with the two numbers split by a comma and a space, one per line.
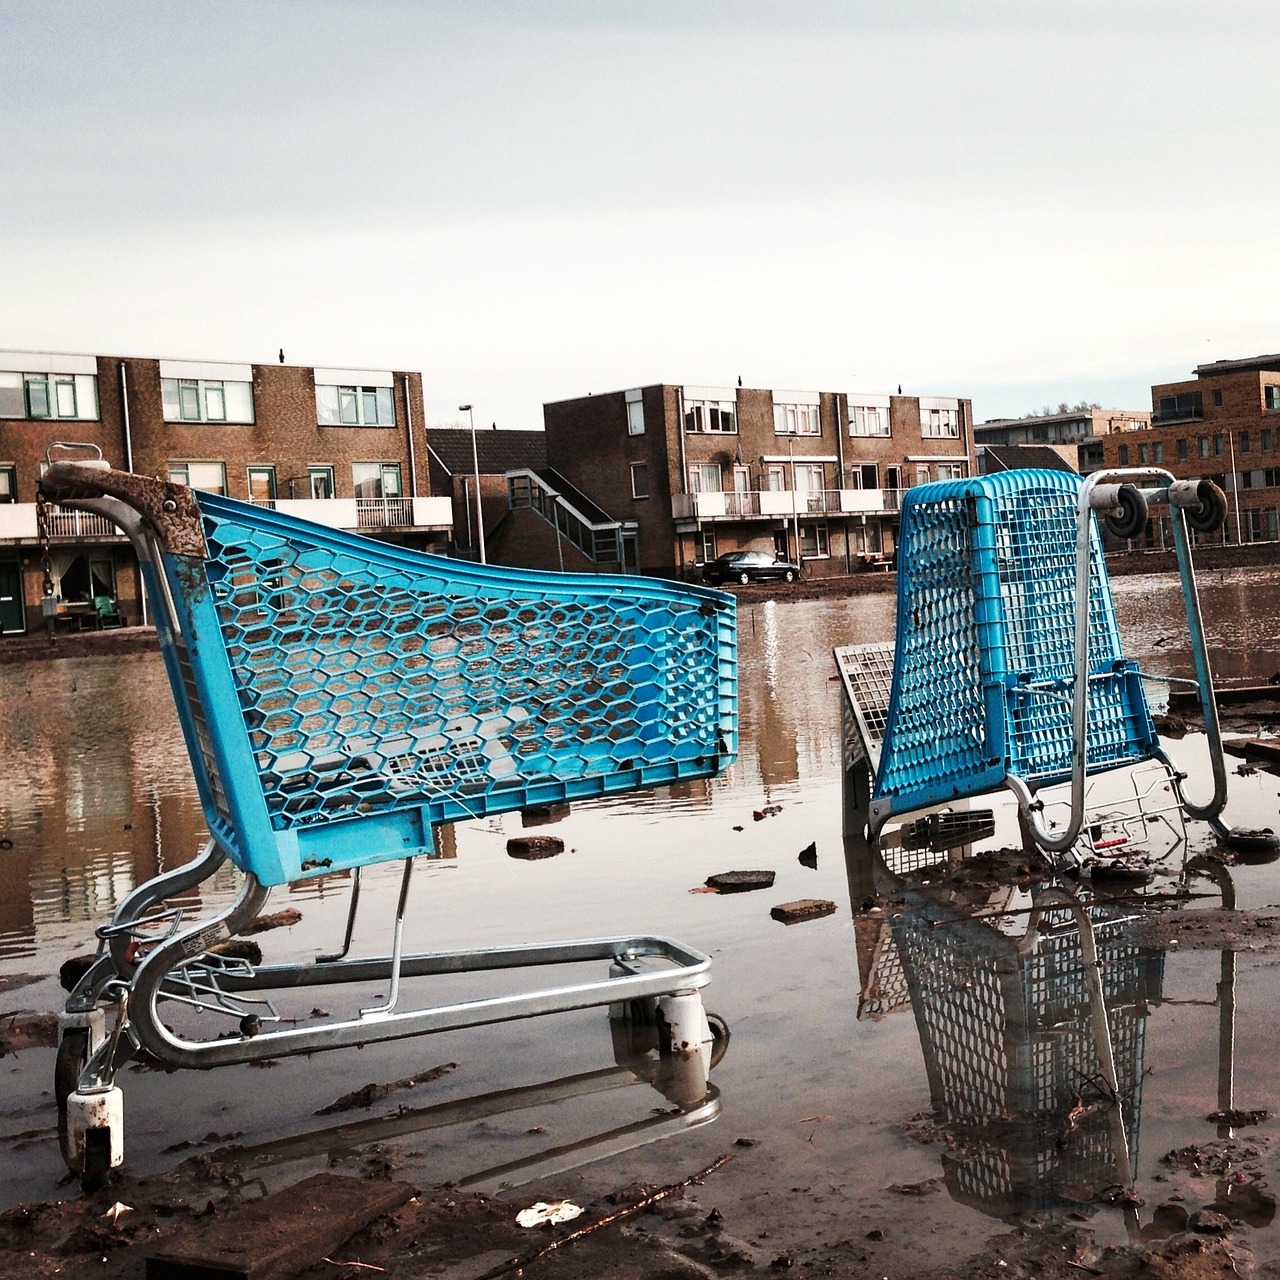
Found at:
[556, 1211]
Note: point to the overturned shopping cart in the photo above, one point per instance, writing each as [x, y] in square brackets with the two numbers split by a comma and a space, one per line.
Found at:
[1007, 670]
[342, 698]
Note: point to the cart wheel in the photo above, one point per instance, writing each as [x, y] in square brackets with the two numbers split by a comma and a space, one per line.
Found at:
[1129, 516]
[719, 1037]
[1211, 514]
[73, 1053]
[97, 1160]
[744, 578]
[788, 576]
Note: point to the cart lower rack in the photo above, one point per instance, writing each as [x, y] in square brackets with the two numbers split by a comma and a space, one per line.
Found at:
[340, 699]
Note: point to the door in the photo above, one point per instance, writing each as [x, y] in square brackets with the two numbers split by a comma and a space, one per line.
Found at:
[12, 614]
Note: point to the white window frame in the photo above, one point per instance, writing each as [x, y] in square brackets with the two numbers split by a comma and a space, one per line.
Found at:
[870, 420]
[385, 470]
[821, 541]
[699, 475]
[355, 405]
[323, 473]
[709, 417]
[643, 469]
[939, 424]
[66, 397]
[224, 401]
[796, 419]
[182, 472]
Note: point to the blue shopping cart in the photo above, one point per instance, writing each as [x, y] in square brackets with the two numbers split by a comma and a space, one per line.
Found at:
[1007, 670]
[341, 698]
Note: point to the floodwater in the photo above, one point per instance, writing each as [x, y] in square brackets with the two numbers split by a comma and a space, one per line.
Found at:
[844, 1036]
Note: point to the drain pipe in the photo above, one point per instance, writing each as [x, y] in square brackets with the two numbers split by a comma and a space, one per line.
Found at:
[408, 417]
[128, 466]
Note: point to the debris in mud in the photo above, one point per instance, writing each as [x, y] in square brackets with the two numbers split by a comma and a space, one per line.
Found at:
[803, 909]
[740, 881]
[925, 1188]
[1238, 1119]
[1214, 929]
[1216, 1159]
[237, 949]
[534, 848]
[551, 1213]
[283, 1233]
[809, 856]
[1171, 726]
[12, 981]
[28, 1031]
[759, 815]
[276, 920]
[1125, 1197]
[365, 1097]
[985, 872]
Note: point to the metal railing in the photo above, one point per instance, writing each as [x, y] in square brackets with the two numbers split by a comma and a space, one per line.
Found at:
[383, 513]
[599, 542]
[80, 524]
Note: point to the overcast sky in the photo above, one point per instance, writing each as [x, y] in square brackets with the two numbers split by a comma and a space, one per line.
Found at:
[1021, 202]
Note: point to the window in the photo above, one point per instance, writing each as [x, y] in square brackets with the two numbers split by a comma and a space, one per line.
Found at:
[355, 406]
[796, 420]
[1267, 439]
[813, 542]
[320, 482]
[376, 479]
[1204, 446]
[1144, 454]
[48, 395]
[893, 478]
[639, 479]
[808, 477]
[939, 419]
[1189, 404]
[704, 547]
[951, 471]
[1217, 399]
[1123, 454]
[775, 477]
[714, 417]
[635, 412]
[1271, 397]
[869, 419]
[1244, 442]
[704, 477]
[206, 400]
[8, 484]
[86, 577]
[262, 485]
[864, 475]
[922, 473]
[1157, 451]
[1219, 446]
[1182, 451]
[210, 476]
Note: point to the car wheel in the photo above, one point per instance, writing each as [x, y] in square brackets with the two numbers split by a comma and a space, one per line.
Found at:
[789, 576]
[744, 577]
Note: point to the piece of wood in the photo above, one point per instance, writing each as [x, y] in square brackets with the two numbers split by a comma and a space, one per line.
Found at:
[1231, 696]
[1267, 749]
[740, 881]
[803, 909]
[532, 848]
[282, 1234]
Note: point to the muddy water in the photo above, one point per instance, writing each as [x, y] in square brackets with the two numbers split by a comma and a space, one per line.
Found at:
[825, 1071]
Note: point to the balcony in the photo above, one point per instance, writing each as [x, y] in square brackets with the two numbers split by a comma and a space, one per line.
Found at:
[774, 504]
[18, 519]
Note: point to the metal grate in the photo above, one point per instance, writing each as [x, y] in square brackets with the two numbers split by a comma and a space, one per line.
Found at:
[867, 673]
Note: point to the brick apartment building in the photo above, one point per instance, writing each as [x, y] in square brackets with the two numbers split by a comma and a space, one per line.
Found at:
[344, 447]
[1076, 435]
[676, 475]
[1224, 424]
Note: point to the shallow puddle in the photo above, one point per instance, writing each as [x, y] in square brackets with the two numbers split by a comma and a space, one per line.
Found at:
[899, 1067]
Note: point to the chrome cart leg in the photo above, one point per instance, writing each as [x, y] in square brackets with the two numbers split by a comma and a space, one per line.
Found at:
[397, 949]
[330, 957]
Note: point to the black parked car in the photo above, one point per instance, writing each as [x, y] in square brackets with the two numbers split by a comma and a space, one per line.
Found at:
[749, 566]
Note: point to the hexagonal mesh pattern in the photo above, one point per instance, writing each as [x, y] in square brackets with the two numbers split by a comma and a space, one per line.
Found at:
[986, 639]
[370, 678]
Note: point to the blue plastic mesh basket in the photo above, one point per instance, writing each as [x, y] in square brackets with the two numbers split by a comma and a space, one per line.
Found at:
[984, 658]
[340, 696]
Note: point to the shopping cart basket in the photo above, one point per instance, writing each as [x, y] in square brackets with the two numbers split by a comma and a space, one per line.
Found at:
[1007, 669]
[342, 697]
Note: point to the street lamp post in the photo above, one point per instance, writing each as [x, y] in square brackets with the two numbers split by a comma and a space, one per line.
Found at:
[475, 466]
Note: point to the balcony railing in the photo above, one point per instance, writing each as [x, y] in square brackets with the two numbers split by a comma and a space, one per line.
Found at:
[80, 524]
[384, 513]
[775, 503]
